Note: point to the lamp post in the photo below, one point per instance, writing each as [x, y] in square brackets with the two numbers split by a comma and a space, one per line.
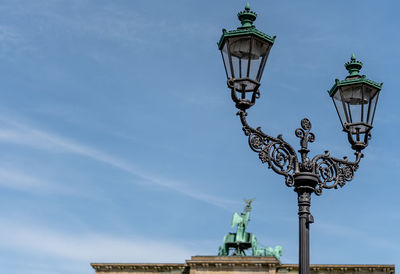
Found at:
[244, 53]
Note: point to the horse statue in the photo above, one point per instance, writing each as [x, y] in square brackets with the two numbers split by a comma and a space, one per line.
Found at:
[223, 250]
[268, 251]
[255, 250]
[274, 252]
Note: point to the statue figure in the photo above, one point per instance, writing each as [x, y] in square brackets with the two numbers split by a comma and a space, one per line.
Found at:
[247, 208]
[268, 251]
[254, 248]
[276, 252]
[241, 240]
[242, 222]
[236, 243]
[223, 250]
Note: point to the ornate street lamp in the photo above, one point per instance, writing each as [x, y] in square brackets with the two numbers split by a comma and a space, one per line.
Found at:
[244, 53]
[355, 99]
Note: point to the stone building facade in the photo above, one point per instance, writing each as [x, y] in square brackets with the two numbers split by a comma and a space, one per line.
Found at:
[236, 265]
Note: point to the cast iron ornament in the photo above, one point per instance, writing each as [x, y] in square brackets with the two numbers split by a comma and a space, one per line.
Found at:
[331, 172]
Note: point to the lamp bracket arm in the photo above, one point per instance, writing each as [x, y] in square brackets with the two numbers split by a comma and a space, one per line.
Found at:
[334, 172]
[276, 152]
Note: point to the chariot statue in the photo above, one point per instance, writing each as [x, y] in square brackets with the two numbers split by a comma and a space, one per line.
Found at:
[236, 244]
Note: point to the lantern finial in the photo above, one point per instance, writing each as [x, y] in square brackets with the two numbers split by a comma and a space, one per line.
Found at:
[354, 67]
[247, 17]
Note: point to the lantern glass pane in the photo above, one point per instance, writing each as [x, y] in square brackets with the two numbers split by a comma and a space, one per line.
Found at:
[225, 58]
[365, 93]
[353, 94]
[239, 49]
[260, 51]
[372, 107]
[249, 56]
[255, 66]
[370, 94]
[354, 112]
[359, 103]
[235, 67]
[354, 100]
[337, 100]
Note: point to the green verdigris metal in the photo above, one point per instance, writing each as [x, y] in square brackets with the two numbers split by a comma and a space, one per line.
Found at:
[246, 17]
[237, 243]
[268, 251]
[354, 77]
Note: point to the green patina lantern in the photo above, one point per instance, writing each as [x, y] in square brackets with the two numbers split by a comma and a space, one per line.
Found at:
[355, 99]
[244, 53]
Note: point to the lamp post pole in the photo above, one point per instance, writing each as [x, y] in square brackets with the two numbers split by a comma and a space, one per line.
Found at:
[244, 52]
[305, 219]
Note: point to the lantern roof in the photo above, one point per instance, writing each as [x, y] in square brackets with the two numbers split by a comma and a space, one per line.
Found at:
[353, 66]
[246, 17]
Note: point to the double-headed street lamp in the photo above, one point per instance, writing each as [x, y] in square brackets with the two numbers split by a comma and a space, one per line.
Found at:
[244, 53]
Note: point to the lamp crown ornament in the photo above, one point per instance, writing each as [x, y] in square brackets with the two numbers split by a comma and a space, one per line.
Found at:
[247, 17]
[353, 67]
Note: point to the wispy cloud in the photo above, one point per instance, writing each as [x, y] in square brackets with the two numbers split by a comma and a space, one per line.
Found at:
[107, 21]
[11, 41]
[8, 35]
[88, 247]
[23, 134]
[358, 234]
[22, 181]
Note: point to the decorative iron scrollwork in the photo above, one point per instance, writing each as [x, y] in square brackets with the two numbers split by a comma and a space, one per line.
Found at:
[276, 152]
[334, 172]
[304, 133]
[282, 158]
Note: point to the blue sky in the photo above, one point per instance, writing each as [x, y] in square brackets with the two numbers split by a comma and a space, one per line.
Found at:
[119, 141]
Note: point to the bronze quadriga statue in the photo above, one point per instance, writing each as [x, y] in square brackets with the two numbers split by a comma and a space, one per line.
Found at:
[235, 244]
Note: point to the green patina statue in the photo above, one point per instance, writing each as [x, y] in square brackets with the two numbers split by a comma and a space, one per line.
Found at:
[242, 221]
[235, 244]
[268, 251]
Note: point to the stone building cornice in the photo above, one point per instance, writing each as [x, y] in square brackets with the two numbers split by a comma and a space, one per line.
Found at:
[231, 262]
[113, 267]
[228, 263]
[340, 268]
